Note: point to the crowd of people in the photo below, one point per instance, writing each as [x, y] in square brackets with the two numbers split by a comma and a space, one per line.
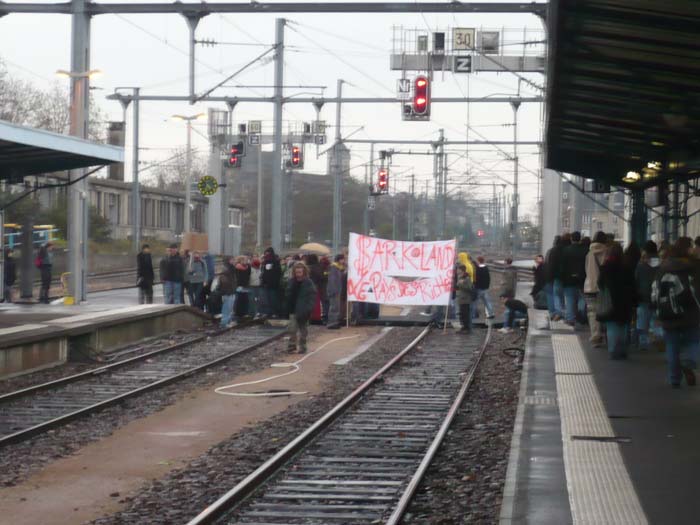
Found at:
[633, 298]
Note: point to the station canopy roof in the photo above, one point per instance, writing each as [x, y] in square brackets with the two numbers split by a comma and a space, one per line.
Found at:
[624, 89]
[27, 151]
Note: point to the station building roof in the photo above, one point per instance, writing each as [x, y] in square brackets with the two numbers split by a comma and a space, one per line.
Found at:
[623, 90]
[27, 151]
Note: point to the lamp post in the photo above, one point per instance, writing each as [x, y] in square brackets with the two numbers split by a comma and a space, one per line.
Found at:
[188, 178]
[78, 208]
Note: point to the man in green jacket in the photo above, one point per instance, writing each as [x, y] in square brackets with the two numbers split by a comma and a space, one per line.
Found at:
[301, 297]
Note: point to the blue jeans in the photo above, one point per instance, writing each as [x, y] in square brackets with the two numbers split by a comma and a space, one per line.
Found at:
[646, 319]
[573, 297]
[483, 296]
[511, 316]
[549, 290]
[617, 338]
[171, 291]
[227, 304]
[681, 350]
[558, 291]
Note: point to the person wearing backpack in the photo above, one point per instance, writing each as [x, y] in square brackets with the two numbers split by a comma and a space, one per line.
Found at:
[573, 276]
[616, 299]
[674, 295]
[644, 276]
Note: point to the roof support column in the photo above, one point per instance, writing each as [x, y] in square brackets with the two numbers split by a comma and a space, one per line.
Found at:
[638, 220]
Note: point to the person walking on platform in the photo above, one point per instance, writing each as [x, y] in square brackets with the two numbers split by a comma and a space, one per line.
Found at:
[549, 278]
[270, 278]
[465, 293]
[337, 286]
[594, 260]
[510, 279]
[44, 261]
[676, 295]
[145, 275]
[616, 299]
[573, 276]
[557, 262]
[482, 283]
[172, 273]
[10, 275]
[227, 289]
[539, 296]
[644, 277]
[197, 273]
[301, 298]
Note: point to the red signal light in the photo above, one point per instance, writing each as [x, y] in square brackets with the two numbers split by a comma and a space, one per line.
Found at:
[383, 181]
[296, 156]
[421, 96]
[479, 233]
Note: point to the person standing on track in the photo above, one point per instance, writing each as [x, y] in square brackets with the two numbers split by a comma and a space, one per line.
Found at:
[145, 275]
[464, 296]
[510, 279]
[337, 286]
[301, 298]
[270, 278]
[172, 273]
[197, 272]
[482, 283]
[44, 261]
[227, 288]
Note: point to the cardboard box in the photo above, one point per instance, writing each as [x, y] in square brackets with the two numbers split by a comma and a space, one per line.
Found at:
[194, 242]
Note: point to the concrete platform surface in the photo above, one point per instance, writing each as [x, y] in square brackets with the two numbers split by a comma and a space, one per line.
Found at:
[599, 441]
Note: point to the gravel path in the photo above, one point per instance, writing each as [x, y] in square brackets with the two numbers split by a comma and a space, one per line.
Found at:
[20, 460]
[465, 482]
[183, 493]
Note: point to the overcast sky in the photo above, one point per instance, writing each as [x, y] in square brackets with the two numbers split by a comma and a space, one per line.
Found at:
[151, 52]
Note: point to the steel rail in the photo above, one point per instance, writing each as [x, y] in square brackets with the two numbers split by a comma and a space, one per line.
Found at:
[405, 501]
[42, 427]
[254, 480]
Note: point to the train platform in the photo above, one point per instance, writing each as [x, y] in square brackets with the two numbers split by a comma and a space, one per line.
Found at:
[599, 441]
[37, 336]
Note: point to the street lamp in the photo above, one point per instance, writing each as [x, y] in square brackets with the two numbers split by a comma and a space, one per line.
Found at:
[188, 180]
[93, 73]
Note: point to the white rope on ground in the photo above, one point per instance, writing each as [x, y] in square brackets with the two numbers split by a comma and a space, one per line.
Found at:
[294, 365]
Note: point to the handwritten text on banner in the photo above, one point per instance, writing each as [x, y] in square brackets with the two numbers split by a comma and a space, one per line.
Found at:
[400, 272]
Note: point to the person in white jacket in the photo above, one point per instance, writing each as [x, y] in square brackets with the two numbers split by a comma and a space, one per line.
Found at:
[594, 259]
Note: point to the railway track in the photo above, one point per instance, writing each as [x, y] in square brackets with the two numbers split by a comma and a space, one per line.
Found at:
[362, 462]
[34, 410]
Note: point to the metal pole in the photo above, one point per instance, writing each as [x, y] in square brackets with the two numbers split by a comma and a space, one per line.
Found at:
[135, 190]
[259, 236]
[276, 212]
[514, 217]
[192, 22]
[338, 176]
[443, 219]
[412, 209]
[188, 177]
[440, 186]
[365, 216]
[77, 202]
[370, 213]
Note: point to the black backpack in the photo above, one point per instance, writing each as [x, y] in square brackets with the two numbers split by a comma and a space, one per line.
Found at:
[672, 296]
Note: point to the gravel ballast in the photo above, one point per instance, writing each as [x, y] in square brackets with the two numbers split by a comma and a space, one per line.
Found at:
[18, 461]
[183, 493]
[464, 484]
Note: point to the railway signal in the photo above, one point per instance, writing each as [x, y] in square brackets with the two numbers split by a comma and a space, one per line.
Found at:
[421, 96]
[383, 181]
[235, 156]
[297, 159]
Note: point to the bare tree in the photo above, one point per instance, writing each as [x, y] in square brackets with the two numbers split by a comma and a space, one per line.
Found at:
[172, 174]
[21, 102]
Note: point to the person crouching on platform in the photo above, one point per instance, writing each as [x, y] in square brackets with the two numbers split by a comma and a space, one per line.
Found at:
[465, 295]
[301, 298]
